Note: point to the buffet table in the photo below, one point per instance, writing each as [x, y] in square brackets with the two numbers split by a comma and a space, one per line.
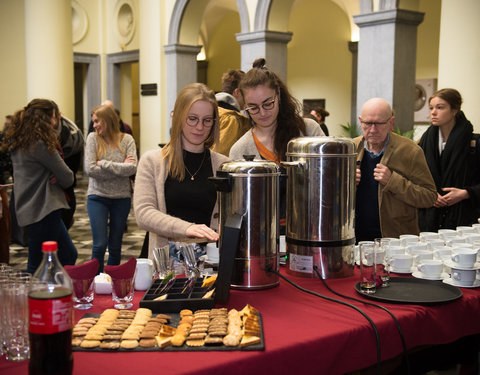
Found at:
[302, 332]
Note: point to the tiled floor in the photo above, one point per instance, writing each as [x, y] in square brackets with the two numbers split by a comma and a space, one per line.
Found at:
[81, 234]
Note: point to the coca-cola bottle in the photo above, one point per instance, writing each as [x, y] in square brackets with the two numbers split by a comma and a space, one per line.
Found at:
[51, 317]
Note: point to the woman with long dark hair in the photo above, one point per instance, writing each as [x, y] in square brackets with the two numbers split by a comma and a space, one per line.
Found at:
[452, 151]
[40, 176]
[276, 120]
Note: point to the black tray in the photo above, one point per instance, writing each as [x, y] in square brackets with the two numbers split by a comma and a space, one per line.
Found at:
[176, 301]
[414, 290]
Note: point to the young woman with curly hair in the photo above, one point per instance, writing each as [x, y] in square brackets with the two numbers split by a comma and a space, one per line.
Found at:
[276, 120]
[40, 176]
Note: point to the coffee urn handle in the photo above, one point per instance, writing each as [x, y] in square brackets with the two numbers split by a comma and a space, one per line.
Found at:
[300, 164]
[223, 184]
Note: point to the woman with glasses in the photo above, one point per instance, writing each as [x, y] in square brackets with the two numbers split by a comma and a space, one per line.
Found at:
[173, 197]
[452, 151]
[276, 120]
[275, 115]
[110, 160]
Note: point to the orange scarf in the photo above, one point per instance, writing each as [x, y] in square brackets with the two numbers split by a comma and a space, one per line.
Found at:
[265, 152]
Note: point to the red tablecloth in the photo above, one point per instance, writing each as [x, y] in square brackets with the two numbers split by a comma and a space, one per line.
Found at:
[302, 332]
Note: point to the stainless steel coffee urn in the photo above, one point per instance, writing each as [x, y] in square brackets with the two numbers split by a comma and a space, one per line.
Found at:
[320, 206]
[250, 189]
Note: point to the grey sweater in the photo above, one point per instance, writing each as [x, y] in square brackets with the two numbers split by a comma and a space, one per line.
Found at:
[35, 195]
[110, 179]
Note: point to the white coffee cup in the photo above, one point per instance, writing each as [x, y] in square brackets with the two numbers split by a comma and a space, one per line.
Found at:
[427, 236]
[393, 250]
[414, 248]
[464, 257]
[447, 233]
[401, 262]
[442, 252]
[406, 239]
[212, 252]
[472, 238]
[435, 243]
[143, 274]
[463, 277]
[420, 256]
[431, 267]
[395, 241]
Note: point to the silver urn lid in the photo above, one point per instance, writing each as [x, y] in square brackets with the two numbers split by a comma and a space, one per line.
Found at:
[320, 146]
[253, 168]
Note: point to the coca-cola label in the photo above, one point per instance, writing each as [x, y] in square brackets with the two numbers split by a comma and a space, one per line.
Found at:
[48, 316]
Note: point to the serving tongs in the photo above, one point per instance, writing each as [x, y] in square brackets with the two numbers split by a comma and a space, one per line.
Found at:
[188, 253]
[161, 259]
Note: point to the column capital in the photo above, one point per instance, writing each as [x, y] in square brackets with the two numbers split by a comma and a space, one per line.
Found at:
[264, 36]
[181, 49]
[389, 16]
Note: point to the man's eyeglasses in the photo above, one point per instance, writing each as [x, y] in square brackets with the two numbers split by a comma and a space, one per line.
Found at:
[206, 122]
[368, 124]
[267, 106]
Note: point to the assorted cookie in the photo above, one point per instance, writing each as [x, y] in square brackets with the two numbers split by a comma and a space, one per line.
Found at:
[129, 329]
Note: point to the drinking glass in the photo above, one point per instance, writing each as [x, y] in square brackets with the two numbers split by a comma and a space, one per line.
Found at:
[367, 268]
[83, 293]
[122, 293]
[382, 260]
[16, 331]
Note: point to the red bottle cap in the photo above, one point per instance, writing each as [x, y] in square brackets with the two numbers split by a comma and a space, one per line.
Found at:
[49, 246]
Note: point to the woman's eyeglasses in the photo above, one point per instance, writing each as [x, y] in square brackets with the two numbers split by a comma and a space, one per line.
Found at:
[267, 106]
[206, 122]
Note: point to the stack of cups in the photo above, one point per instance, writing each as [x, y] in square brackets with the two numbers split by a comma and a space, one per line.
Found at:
[14, 286]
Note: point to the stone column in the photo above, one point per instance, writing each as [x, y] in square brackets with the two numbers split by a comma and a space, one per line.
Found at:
[153, 123]
[353, 48]
[386, 60]
[272, 45]
[49, 53]
[181, 68]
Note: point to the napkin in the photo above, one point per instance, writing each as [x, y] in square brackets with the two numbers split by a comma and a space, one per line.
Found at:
[122, 271]
[84, 271]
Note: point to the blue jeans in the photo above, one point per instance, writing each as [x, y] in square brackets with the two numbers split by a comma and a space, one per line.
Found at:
[50, 228]
[100, 209]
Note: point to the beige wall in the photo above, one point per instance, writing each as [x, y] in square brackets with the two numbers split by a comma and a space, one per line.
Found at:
[223, 52]
[459, 55]
[428, 40]
[13, 93]
[319, 62]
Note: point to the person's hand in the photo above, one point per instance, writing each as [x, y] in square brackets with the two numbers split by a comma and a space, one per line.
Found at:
[453, 196]
[441, 201]
[98, 163]
[382, 174]
[129, 159]
[201, 231]
[358, 176]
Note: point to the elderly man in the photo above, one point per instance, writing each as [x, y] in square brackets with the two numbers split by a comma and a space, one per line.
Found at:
[393, 178]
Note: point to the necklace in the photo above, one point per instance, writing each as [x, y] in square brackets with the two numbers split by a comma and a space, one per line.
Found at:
[192, 176]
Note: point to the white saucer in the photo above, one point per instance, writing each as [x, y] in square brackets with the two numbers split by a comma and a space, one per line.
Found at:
[213, 261]
[450, 281]
[401, 270]
[450, 263]
[421, 275]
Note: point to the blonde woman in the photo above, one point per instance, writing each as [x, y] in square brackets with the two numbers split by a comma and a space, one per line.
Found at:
[173, 197]
[110, 159]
